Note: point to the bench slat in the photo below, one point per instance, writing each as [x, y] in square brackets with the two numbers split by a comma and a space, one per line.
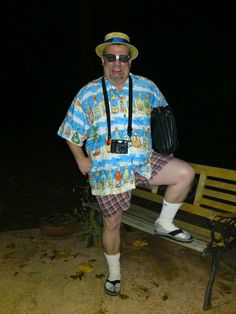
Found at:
[220, 195]
[221, 173]
[189, 208]
[221, 185]
[218, 205]
[198, 211]
[200, 187]
[197, 244]
[144, 215]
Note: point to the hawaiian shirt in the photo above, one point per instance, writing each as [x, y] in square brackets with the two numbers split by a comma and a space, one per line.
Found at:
[86, 124]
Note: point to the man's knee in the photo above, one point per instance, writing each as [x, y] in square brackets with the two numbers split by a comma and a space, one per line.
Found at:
[185, 172]
[189, 173]
[113, 222]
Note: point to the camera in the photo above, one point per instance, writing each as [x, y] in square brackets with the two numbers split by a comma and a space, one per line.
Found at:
[119, 146]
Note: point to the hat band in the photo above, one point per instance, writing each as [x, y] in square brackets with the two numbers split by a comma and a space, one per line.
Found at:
[117, 40]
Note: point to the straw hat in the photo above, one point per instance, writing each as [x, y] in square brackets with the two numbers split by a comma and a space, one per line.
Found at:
[116, 38]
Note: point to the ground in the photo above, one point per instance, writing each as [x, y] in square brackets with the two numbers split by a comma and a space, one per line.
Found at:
[41, 274]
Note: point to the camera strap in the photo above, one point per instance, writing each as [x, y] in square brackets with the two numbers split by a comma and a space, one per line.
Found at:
[129, 128]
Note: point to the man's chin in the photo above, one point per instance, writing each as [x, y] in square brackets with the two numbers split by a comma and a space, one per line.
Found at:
[117, 78]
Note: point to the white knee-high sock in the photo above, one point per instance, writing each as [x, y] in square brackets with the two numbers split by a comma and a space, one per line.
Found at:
[167, 215]
[113, 262]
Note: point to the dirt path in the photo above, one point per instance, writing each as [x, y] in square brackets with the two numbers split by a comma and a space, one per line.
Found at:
[41, 274]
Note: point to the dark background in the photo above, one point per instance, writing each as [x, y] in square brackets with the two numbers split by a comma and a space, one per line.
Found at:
[186, 48]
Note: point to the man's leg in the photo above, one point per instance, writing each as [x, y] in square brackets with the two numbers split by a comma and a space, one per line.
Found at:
[111, 245]
[112, 207]
[111, 233]
[178, 176]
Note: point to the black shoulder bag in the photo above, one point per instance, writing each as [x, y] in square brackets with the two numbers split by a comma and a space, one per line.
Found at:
[164, 130]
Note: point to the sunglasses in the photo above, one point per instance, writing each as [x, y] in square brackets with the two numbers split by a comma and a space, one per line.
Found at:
[113, 58]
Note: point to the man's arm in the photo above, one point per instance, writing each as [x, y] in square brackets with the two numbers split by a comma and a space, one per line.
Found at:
[83, 162]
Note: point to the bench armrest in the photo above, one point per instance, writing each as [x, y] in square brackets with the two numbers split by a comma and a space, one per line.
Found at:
[223, 229]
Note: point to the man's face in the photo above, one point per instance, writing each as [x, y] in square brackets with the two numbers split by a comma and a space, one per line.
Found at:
[116, 71]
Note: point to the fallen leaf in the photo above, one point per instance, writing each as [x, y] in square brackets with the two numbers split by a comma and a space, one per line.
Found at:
[84, 267]
[63, 253]
[36, 241]
[138, 244]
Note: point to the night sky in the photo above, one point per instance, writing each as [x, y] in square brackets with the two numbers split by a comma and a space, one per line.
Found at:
[186, 48]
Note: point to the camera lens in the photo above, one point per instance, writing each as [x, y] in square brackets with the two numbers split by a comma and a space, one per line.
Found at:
[124, 148]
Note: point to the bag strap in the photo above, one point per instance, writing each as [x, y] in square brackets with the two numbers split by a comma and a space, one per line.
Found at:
[129, 128]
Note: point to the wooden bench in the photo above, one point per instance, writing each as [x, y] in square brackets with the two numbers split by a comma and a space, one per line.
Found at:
[208, 213]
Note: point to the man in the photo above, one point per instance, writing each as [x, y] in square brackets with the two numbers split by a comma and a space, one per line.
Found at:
[119, 150]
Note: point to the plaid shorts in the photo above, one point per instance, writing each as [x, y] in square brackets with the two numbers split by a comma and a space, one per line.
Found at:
[111, 204]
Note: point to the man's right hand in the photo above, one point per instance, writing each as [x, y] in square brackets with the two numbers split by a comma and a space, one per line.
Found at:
[84, 163]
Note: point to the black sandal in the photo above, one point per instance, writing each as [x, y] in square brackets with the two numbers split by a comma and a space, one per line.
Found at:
[113, 283]
[173, 235]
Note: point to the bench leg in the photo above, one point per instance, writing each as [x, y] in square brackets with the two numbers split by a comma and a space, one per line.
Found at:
[215, 255]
